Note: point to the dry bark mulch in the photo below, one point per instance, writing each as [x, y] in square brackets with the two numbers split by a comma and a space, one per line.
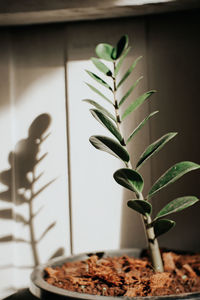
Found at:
[128, 276]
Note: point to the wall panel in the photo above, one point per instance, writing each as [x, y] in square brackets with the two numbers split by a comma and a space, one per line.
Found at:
[38, 154]
[6, 205]
[173, 57]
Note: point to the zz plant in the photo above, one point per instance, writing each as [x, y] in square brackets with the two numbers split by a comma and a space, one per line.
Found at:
[129, 176]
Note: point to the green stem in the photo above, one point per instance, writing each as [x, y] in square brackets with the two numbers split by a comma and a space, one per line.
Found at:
[152, 241]
[149, 230]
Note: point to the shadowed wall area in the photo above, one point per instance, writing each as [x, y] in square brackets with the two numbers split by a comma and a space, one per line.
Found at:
[32, 86]
[20, 179]
[173, 46]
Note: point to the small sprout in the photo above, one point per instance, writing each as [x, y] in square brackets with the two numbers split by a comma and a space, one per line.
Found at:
[184, 277]
[129, 177]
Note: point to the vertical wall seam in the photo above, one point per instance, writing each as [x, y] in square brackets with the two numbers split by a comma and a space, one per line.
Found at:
[68, 146]
[13, 126]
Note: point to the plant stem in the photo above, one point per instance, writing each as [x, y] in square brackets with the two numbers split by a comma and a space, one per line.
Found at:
[152, 241]
[149, 230]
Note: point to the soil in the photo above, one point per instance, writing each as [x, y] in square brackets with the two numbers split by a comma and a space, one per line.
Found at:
[128, 276]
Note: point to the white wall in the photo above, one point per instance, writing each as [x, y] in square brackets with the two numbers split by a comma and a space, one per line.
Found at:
[35, 68]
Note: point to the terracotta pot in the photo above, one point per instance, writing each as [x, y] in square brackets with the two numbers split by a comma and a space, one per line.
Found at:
[42, 290]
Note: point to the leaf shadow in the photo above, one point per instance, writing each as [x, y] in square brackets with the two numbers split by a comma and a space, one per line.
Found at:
[19, 180]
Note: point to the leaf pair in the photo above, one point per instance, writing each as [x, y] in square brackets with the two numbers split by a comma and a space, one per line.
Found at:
[133, 181]
[110, 53]
[162, 226]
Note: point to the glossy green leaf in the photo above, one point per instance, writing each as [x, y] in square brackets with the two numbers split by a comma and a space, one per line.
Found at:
[155, 147]
[118, 66]
[129, 179]
[171, 175]
[141, 206]
[176, 205]
[140, 126]
[162, 226]
[99, 93]
[104, 51]
[106, 122]
[135, 104]
[132, 67]
[101, 66]
[121, 46]
[101, 108]
[99, 80]
[110, 146]
[129, 91]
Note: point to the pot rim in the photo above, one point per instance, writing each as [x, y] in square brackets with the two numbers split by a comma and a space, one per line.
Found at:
[39, 286]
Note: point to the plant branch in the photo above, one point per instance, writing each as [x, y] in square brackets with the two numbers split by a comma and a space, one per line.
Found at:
[149, 230]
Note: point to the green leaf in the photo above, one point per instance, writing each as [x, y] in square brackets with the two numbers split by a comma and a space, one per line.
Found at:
[110, 146]
[171, 175]
[141, 206]
[129, 179]
[121, 46]
[129, 91]
[162, 226]
[101, 108]
[140, 126]
[99, 80]
[104, 51]
[105, 121]
[135, 104]
[132, 67]
[101, 66]
[176, 205]
[155, 147]
[117, 68]
[98, 92]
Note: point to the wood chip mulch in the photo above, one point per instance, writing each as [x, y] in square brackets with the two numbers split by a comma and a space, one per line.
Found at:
[128, 276]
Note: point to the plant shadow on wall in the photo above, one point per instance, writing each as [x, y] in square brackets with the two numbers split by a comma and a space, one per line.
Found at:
[20, 180]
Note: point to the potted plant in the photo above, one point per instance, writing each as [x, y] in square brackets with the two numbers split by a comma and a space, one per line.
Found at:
[130, 178]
